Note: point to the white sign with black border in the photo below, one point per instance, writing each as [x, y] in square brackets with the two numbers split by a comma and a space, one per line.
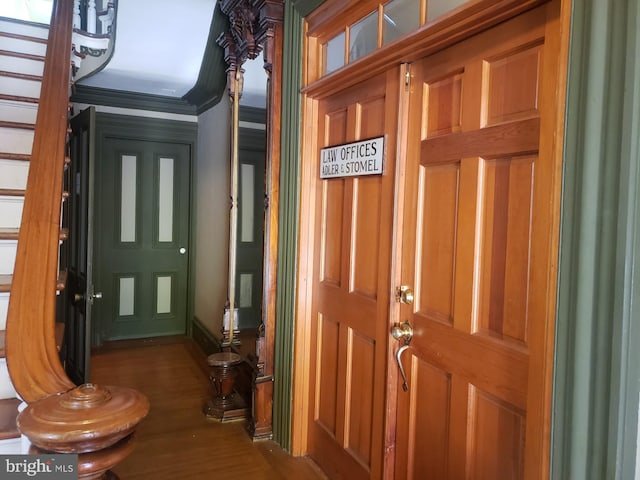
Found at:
[353, 159]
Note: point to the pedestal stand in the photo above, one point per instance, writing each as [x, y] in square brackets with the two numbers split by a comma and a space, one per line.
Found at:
[226, 405]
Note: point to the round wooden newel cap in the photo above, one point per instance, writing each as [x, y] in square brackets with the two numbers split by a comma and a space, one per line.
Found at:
[85, 419]
[223, 359]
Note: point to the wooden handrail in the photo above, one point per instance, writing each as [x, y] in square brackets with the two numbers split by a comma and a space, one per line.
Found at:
[32, 356]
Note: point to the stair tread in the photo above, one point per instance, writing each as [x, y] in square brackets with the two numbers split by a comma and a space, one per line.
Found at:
[19, 98]
[59, 336]
[28, 56]
[27, 38]
[12, 233]
[9, 233]
[21, 125]
[8, 415]
[11, 192]
[5, 283]
[22, 157]
[22, 76]
[7, 279]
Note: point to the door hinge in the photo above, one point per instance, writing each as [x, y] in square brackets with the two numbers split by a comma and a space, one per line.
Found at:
[407, 78]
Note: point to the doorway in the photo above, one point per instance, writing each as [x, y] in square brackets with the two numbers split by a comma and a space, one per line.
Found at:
[452, 249]
[140, 222]
[142, 259]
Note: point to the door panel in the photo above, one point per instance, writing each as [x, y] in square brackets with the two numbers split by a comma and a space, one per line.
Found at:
[351, 294]
[143, 258]
[79, 249]
[476, 189]
[250, 235]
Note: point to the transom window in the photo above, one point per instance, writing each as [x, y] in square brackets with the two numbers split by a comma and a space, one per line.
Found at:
[390, 21]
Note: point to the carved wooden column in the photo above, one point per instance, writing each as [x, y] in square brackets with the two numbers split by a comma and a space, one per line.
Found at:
[255, 26]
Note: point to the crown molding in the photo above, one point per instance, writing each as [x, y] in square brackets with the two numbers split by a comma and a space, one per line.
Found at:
[132, 100]
[212, 79]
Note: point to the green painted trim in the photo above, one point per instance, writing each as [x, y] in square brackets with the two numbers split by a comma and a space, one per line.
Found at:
[305, 7]
[144, 128]
[212, 79]
[132, 100]
[253, 114]
[288, 225]
[252, 139]
[597, 371]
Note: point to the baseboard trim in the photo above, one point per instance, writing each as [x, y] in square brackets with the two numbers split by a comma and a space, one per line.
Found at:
[201, 335]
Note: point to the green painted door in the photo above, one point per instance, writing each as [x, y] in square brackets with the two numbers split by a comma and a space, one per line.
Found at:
[143, 238]
[250, 234]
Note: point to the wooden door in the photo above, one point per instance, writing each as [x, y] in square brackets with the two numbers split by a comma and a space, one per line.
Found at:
[351, 287]
[477, 247]
[77, 342]
[143, 234]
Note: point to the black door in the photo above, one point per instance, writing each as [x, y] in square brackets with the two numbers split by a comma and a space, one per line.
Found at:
[77, 340]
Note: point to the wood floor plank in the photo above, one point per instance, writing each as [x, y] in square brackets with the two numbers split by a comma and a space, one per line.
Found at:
[176, 440]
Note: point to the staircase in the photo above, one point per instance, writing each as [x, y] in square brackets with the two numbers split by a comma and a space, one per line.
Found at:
[96, 422]
[22, 50]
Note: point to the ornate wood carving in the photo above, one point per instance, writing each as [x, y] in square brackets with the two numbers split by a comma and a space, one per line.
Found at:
[256, 26]
[252, 28]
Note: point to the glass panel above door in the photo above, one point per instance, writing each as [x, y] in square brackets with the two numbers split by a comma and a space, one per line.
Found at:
[363, 36]
[392, 20]
[437, 8]
[399, 18]
[334, 53]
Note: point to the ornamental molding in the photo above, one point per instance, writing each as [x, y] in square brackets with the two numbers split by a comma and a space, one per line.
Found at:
[252, 24]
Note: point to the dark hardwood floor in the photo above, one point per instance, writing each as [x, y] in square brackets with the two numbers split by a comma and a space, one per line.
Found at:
[176, 441]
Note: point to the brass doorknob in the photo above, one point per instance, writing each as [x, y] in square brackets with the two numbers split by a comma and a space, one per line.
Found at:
[78, 297]
[402, 331]
[404, 294]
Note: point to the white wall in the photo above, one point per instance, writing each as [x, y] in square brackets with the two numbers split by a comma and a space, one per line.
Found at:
[212, 215]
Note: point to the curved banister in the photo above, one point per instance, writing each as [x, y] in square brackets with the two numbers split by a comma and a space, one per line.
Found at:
[32, 356]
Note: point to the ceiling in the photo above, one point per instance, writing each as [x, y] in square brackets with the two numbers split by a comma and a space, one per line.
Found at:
[159, 46]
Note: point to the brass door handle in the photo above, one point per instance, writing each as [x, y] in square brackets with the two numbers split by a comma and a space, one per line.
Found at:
[405, 386]
[403, 332]
[78, 297]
